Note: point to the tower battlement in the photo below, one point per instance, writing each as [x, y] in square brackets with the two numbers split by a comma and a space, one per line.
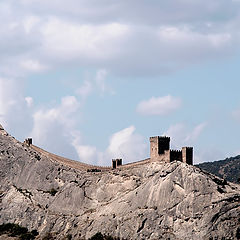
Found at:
[28, 141]
[116, 163]
[160, 151]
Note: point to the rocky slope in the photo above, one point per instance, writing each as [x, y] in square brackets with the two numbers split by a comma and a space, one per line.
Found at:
[147, 201]
[228, 169]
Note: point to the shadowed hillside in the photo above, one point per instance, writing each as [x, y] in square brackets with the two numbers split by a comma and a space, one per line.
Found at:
[228, 169]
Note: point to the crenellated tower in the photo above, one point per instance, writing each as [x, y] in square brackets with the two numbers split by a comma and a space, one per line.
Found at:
[116, 163]
[160, 151]
[158, 146]
[187, 155]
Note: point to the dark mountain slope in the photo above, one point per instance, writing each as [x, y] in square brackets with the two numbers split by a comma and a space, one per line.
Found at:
[228, 169]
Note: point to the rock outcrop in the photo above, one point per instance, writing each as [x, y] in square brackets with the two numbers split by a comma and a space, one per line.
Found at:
[148, 201]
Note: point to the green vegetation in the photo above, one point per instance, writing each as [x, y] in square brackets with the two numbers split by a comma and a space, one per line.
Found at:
[69, 237]
[14, 230]
[48, 236]
[229, 169]
[100, 236]
[52, 191]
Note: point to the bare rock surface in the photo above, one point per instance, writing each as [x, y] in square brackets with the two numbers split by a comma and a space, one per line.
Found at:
[148, 201]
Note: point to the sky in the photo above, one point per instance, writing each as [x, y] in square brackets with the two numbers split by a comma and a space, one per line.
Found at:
[92, 80]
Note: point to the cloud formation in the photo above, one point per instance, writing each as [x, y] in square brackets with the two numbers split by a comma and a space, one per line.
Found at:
[159, 105]
[14, 107]
[54, 128]
[108, 38]
[158, 38]
[125, 144]
[128, 145]
[182, 136]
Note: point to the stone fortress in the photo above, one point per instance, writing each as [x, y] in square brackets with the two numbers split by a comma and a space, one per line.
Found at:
[159, 152]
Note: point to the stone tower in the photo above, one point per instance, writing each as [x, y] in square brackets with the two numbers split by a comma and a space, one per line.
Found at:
[158, 146]
[28, 141]
[187, 155]
[160, 151]
[116, 163]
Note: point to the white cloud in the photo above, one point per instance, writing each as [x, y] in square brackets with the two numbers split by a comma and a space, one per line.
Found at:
[97, 84]
[15, 114]
[185, 37]
[192, 136]
[53, 128]
[29, 101]
[108, 36]
[87, 154]
[181, 135]
[7, 101]
[30, 23]
[32, 65]
[105, 37]
[85, 90]
[100, 79]
[101, 82]
[128, 145]
[125, 144]
[83, 40]
[159, 105]
[178, 134]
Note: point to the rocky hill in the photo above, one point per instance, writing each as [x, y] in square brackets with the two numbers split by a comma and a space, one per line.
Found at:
[228, 169]
[152, 200]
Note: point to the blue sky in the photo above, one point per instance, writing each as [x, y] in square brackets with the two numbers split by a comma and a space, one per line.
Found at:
[93, 80]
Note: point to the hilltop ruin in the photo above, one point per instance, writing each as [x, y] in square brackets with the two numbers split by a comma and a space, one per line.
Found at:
[159, 152]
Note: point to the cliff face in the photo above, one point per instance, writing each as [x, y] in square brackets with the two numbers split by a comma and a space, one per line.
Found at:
[148, 201]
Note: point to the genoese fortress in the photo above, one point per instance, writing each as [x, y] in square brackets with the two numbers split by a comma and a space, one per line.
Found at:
[159, 152]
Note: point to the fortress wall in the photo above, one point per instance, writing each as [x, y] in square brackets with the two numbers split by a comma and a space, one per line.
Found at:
[165, 157]
[69, 162]
[159, 152]
[83, 166]
[133, 164]
[175, 155]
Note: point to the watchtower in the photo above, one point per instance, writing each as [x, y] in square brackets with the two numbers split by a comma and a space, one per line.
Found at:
[158, 145]
[160, 151]
[187, 155]
[28, 141]
[116, 163]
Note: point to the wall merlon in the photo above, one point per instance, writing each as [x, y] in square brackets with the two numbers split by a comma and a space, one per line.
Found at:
[176, 151]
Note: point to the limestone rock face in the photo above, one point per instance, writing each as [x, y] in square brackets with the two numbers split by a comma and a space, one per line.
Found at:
[148, 201]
